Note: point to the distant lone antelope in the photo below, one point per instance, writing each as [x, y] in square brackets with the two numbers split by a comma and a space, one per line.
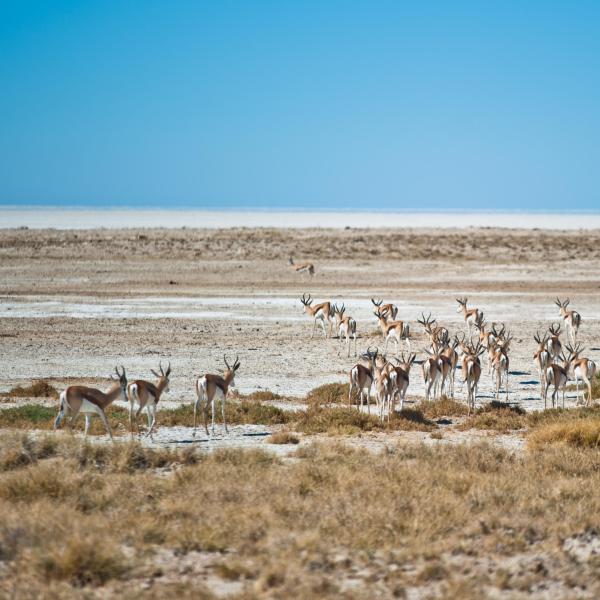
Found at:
[90, 401]
[302, 268]
[319, 312]
[571, 318]
[146, 395]
[210, 388]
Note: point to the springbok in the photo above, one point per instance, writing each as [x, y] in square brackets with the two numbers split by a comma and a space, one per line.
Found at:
[487, 338]
[146, 394]
[361, 378]
[383, 389]
[541, 357]
[558, 377]
[432, 372]
[435, 332]
[450, 353]
[90, 401]
[388, 309]
[210, 388]
[471, 315]
[582, 368]
[401, 378]
[571, 318]
[346, 327]
[302, 268]
[320, 312]
[398, 330]
[500, 364]
[471, 371]
[553, 344]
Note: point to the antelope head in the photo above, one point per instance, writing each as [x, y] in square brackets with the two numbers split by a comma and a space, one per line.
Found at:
[462, 304]
[163, 376]
[306, 301]
[122, 382]
[231, 369]
[554, 329]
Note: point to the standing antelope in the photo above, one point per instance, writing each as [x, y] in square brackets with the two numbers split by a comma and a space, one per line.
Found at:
[90, 401]
[432, 372]
[393, 329]
[541, 358]
[346, 327]
[500, 363]
[303, 268]
[450, 353]
[388, 309]
[558, 377]
[146, 394]
[210, 388]
[582, 368]
[553, 344]
[435, 332]
[401, 379]
[471, 371]
[571, 318]
[383, 389]
[320, 312]
[362, 378]
[471, 315]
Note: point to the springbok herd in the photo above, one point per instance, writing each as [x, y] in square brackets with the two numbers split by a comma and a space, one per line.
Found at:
[386, 379]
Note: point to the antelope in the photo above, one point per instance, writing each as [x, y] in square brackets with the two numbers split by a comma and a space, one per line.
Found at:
[500, 363]
[147, 395]
[553, 344]
[557, 376]
[487, 338]
[471, 315]
[432, 373]
[582, 368]
[388, 309]
[303, 268]
[471, 371]
[90, 401]
[346, 327]
[362, 378]
[400, 379]
[541, 358]
[571, 318]
[393, 329]
[498, 337]
[210, 388]
[451, 354]
[435, 332]
[320, 312]
[383, 389]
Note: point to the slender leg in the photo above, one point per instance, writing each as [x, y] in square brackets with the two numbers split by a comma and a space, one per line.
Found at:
[153, 421]
[223, 413]
[88, 418]
[212, 405]
[105, 421]
[313, 331]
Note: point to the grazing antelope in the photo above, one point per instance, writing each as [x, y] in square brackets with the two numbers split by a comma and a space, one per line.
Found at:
[582, 368]
[471, 315]
[471, 371]
[401, 379]
[435, 332]
[553, 344]
[346, 327]
[571, 318]
[210, 388]
[388, 309]
[398, 330]
[90, 401]
[362, 378]
[303, 268]
[147, 395]
[320, 312]
[541, 357]
[431, 368]
[558, 377]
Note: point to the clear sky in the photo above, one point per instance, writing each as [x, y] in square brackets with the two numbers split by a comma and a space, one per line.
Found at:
[343, 105]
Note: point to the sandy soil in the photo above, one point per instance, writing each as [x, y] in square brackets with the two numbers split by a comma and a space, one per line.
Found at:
[75, 303]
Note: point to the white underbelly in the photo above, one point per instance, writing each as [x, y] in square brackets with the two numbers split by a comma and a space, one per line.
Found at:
[88, 407]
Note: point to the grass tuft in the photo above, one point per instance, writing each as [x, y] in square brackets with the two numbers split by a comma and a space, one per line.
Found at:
[498, 417]
[283, 437]
[444, 407]
[579, 433]
[329, 393]
[38, 389]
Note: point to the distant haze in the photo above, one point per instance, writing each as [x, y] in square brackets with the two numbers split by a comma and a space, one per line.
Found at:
[306, 106]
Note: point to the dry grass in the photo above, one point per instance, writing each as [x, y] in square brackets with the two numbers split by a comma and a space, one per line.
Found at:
[329, 393]
[259, 395]
[444, 407]
[283, 437]
[497, 417]
[38, 389]
[80, 516]
[582, 433]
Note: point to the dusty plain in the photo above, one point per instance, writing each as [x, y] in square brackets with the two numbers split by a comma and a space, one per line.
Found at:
[73, 304]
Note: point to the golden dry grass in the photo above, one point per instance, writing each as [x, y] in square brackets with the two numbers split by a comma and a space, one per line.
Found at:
[329, 393]
[78, 517]
[283, 437]
[444, 407]
[38, 389]
[583, 433]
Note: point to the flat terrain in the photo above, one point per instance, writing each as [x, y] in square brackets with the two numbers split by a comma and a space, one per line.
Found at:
[441, 507]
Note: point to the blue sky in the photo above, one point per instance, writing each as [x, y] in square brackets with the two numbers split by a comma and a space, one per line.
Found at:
[339, 105]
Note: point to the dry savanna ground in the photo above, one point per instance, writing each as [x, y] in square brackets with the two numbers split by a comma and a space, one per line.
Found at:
[305, 497]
